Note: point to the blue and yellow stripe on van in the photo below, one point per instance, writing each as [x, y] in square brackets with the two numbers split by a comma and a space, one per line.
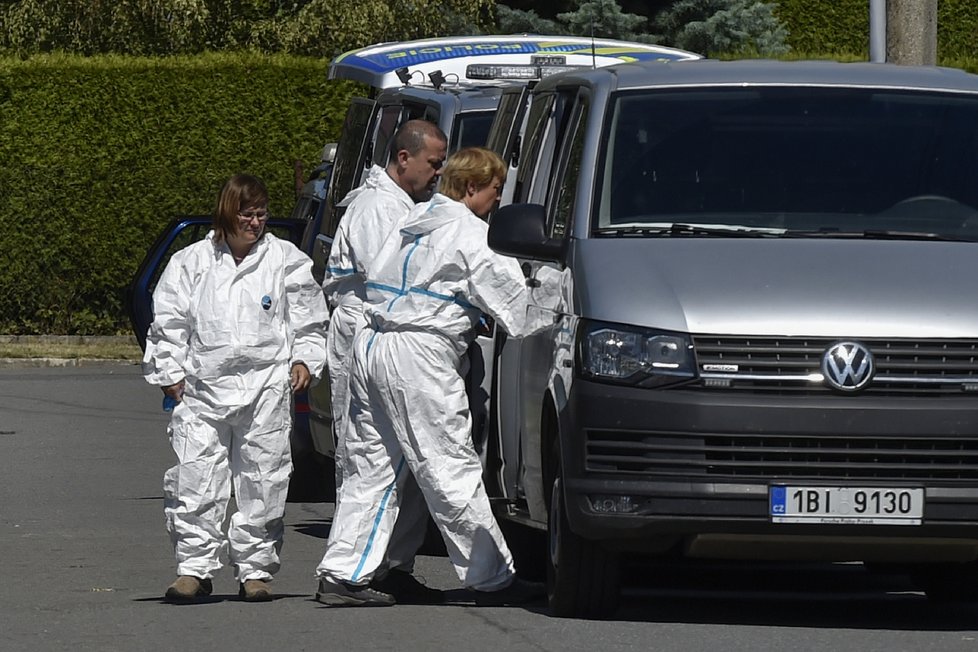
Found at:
[375, 64]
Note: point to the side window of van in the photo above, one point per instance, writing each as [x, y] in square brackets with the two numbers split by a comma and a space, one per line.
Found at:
[536, 128]
[506, 123]
[568, 171]
[549, 134]
[350, 153]
[471, 129]
[390, 119]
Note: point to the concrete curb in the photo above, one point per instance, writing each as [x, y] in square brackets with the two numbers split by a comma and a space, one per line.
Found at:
[67, 339]
[33, 363]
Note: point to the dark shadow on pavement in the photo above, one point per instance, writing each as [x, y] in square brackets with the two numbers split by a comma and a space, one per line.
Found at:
[316, 529]
[216, 598]
[830, 596]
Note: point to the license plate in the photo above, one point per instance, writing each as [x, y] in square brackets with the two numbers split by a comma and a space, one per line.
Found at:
[847, 505]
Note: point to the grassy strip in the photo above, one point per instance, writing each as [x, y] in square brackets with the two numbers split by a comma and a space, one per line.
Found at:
[74, 351]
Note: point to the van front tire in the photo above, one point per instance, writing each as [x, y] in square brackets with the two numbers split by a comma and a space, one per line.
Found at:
[583, 579]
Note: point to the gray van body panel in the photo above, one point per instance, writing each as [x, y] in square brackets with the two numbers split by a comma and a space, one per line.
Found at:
[874, 288]
[706, 72]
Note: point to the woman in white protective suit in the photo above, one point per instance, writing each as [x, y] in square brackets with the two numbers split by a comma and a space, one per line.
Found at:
[428, 286]
[239, 325]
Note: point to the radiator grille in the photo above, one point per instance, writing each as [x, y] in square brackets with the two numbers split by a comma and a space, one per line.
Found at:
[741, 457]
[765, 364]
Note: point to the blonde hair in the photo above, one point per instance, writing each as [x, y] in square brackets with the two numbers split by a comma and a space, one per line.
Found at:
[239, 192]
[476, 165]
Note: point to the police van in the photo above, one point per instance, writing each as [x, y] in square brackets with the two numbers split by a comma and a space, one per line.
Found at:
[455, 82]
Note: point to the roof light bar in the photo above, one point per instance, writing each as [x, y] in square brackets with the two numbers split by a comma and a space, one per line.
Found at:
[546, 71]
[491, 71]
[513, 71]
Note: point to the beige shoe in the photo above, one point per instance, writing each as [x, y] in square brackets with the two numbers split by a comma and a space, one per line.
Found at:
[187, 588]
[255, 591]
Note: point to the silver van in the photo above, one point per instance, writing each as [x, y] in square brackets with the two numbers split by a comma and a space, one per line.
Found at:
[761, 278]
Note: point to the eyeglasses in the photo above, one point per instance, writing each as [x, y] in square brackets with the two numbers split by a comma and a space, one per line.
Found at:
[247, 216]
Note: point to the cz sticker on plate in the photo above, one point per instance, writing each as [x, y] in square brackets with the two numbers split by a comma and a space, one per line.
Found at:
[847, 505]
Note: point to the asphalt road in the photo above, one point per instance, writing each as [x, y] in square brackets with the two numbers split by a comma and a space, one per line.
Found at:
[83, 452]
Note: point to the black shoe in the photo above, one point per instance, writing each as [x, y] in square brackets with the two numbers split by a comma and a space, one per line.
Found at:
[341, 594]
[406, 589]
[519, 592]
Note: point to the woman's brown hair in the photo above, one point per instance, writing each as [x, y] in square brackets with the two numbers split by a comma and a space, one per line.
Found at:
[239, 192]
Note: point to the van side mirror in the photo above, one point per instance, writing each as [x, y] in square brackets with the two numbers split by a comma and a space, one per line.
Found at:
[520, 230]
[329, 153]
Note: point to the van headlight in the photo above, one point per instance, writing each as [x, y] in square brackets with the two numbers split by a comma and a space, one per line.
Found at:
[634, 356]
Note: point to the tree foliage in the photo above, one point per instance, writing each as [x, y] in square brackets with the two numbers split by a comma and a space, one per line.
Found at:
[602, 18]
[124, 26]
[723, 26]
[516, 21]
[171, 27]
[705, 26]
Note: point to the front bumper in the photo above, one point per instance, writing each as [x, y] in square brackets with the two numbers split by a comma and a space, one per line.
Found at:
[696, 466]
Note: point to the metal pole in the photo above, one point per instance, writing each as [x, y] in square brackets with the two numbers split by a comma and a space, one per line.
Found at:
[877, 31]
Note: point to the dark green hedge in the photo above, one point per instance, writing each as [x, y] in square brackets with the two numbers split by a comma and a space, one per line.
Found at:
[957, 29]
[843, 26]
[834, 26]
[96, 153]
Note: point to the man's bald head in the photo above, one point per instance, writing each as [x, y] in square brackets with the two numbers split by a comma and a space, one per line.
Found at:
[418, 150]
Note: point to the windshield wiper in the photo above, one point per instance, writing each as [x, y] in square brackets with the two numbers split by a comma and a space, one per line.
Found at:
[871, 234]
[630, 230]
[681, 229]
[722, 230]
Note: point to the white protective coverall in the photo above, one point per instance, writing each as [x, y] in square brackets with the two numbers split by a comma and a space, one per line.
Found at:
[233, 333]
[427, 288]
[373, 208]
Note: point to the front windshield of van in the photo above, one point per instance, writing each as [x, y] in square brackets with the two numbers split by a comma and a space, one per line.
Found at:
[804, 161]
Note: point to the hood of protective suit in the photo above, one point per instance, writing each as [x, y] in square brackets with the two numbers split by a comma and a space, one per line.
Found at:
[377, 179]
[431, 215]
[440, 274]
[372, 211]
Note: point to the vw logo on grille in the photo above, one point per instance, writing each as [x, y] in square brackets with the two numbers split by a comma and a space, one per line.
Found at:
[847, 366]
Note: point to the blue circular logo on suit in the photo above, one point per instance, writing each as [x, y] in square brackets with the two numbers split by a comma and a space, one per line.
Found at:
[266, 302]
